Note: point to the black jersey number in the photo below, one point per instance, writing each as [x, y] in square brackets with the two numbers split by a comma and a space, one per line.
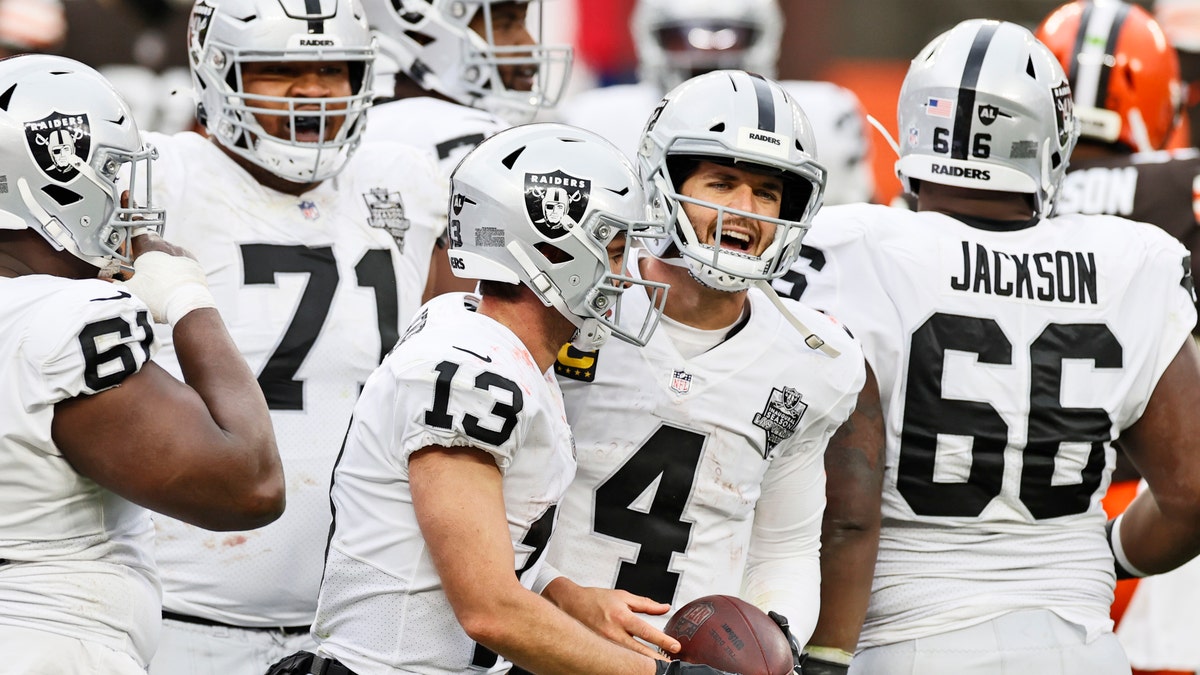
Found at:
[439, 415]
[670, 456]
[793, 282]
[262, 262]
[927, 414]
[118, 360]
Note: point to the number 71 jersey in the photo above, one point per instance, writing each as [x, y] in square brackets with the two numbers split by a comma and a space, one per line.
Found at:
[1008, 362]
[314, 289]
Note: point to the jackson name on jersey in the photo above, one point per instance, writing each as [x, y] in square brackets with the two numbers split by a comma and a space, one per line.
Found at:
[1002, 393]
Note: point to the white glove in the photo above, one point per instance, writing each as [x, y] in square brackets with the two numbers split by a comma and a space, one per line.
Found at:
[171, 286]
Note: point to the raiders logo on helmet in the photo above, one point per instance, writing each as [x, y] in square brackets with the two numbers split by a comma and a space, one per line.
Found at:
[556, 201]
[59, 143]
[197, 31]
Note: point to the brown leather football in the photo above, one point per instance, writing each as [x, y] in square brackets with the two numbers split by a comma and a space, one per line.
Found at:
[730, 634]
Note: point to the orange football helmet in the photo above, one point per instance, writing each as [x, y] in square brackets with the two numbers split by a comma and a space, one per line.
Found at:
[1124, 72]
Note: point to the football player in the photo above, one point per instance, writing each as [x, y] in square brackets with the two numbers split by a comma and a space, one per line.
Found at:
[454, 72]
[678, 39]
[701, 455]
[446, 492]
[1013, 349]
[1128, 96]
[94, 430]
[1130, 106]
[317, 249]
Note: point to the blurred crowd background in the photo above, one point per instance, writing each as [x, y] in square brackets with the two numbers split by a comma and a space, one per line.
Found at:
[864, 45]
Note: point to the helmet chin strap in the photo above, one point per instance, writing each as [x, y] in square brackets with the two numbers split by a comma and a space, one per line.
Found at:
[590, 333]
[811, 339]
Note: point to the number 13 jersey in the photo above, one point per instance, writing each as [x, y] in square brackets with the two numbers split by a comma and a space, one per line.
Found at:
[1008, 361]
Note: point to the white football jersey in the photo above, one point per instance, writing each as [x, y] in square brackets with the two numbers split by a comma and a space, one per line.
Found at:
[447, 130]
[77, 560]
[705, 475]
[1007, 362]
[314, 289]
[456, 379]
[619, 114]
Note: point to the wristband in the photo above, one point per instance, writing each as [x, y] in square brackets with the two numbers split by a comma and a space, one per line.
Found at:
[1123, 568]
[171, 286]
[832, 655]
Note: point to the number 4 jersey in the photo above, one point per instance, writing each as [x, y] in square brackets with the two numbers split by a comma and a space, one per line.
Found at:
[1008, 362]
[705, 475]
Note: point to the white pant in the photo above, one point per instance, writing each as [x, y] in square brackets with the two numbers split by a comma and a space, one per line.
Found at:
[192, 649]
[34, 652]
[1021, 643]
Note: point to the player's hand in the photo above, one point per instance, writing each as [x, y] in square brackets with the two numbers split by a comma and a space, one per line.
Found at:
[613, 614]
[167, 279]
[148, 241]
[781, 621]
[684, 668]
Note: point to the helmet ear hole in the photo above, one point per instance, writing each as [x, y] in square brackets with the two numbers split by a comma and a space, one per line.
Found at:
[61, 195]
[554, 254]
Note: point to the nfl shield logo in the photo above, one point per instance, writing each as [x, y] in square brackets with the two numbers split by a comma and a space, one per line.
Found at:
[681, 382]
[309, 209]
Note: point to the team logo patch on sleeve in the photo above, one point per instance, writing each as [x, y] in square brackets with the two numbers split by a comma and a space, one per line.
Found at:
[781, 416]
[386, 211]
[59, 143]
[556, 201]
[574, 364]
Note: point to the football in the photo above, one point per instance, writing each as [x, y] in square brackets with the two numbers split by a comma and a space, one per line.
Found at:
[730, 634]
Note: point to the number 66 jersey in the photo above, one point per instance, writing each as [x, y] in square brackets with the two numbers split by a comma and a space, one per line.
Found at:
[1008, 362]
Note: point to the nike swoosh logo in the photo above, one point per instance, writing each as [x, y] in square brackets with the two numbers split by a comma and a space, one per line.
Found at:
[118, 296]
[485, 359]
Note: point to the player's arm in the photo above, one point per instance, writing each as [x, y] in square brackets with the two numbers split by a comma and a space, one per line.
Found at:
[612, 614]
[854, 462]
[202, 450]
[472, 550]
[1161, 528]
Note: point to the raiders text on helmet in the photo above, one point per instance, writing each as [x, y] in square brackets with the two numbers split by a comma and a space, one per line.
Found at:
[70, 148]
[223, 35]
[433, 43]
[1124, 74]
[987, 106]
[538, 187]
[744, 119]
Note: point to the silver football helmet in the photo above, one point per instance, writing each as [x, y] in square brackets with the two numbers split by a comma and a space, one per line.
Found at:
[678, 39]
[538, 204]
[224, 35]
[987, 106]
[433, 43]
[70, 148]
[745, 120]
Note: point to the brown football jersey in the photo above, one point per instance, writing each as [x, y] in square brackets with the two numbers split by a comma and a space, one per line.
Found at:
[1161, 188]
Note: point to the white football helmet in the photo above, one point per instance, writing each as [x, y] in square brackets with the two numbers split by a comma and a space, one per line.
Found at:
[433, 43]
[224, 34]
[678, 39]
[507, 224]
[70, 148]
[742, 119]
[986, 106]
